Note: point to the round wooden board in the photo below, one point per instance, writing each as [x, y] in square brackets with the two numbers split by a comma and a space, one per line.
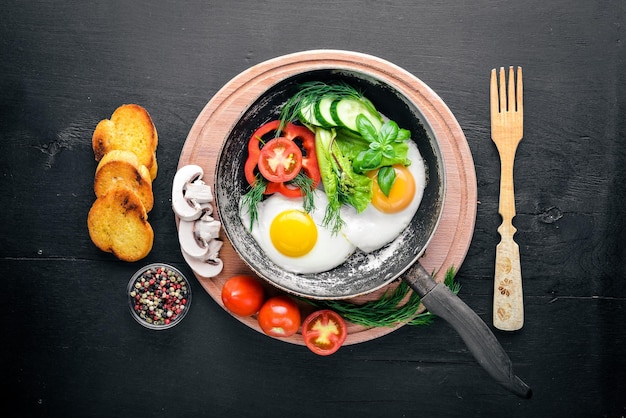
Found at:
[452, 238]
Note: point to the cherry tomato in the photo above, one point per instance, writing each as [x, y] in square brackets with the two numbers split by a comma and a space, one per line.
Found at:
[279, 317]
[324, 332]
[243, 295]
[280, 160]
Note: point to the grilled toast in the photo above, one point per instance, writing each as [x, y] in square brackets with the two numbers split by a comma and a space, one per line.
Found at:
[118, 224]
[120, 168]
[130, 128]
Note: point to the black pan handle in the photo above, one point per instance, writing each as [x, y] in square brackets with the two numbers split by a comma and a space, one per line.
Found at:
[440, 300]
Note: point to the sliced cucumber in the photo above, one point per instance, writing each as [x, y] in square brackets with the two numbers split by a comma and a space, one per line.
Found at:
[322, 111]
[307, 114]
[345, 111]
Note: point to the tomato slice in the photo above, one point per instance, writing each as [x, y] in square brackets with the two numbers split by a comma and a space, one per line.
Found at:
[279, 316]
[324, 332]
[280, 160]
[292, 133]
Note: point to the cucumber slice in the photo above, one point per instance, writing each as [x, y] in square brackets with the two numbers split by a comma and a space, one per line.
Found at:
[322, 111]
[345, 112]
[307, 114]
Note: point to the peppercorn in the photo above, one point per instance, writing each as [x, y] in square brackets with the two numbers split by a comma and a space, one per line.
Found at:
[159, 296]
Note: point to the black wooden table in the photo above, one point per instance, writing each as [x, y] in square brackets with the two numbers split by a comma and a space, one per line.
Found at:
[70, 347]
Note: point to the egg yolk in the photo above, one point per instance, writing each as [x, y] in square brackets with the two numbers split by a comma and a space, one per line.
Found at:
[293, 233]
[400, 195]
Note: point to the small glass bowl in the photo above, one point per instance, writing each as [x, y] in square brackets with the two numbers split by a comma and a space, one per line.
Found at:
[159, 296]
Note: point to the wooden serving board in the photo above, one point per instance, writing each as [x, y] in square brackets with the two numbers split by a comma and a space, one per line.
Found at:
[452, 238]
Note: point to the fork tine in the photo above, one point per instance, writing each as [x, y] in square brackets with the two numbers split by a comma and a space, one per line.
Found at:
[520, 89]
[511, 92]
[493, 94]
[502, 90]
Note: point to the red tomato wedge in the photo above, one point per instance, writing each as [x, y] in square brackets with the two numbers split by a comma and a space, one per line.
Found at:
[324, 332]
[280, 160]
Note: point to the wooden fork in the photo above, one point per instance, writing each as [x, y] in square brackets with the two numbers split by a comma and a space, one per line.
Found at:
[507, 128]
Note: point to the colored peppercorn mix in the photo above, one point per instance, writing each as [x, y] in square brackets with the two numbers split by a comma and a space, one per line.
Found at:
[159, 296]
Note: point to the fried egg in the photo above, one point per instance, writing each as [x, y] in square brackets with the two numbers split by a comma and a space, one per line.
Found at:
[296, 240]
[387, 216]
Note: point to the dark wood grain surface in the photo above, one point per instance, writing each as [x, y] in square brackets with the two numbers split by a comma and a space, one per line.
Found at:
[70, 348]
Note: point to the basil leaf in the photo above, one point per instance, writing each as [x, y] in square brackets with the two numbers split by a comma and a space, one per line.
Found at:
[366, 128]
[388, 132]
[386, 178]
[367, 160]
[403, 135]
[388, 151]
[375, 146]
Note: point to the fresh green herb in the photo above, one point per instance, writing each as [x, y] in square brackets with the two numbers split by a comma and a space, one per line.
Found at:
[305, 183]
[381, 143]
[253, 197]
[312, 92]
[387, 311]
[353, 144]
[386, 177]
[449, 281]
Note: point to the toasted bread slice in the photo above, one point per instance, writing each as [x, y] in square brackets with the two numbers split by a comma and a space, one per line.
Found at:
[122, 169]
[154, 168]
[118, 224]
[130, 128]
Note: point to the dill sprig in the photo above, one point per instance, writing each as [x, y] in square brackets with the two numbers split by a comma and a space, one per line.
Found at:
[311, 92]
[305, 183]
[253, 197]
[386, 312]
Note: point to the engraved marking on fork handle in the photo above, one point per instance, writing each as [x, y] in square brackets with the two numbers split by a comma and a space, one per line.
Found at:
[508, 297]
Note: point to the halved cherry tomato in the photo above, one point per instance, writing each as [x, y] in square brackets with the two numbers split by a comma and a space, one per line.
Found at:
[324, 332]
[243, 295]
[292, 133]
[280, 160]
[279, 316]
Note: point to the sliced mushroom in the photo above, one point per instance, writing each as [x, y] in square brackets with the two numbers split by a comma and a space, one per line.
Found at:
[197, 230]
[198, 192]
[207, 228]
[207, 208]
[186, 209]
[214, 250]
[188, 242]
[204, 268]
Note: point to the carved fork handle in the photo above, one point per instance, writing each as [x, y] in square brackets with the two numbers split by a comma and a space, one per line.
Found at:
[508, 299]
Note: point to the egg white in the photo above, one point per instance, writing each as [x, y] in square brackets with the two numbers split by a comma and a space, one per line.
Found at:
[329, 251]
[368, 230]
[372, 229]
